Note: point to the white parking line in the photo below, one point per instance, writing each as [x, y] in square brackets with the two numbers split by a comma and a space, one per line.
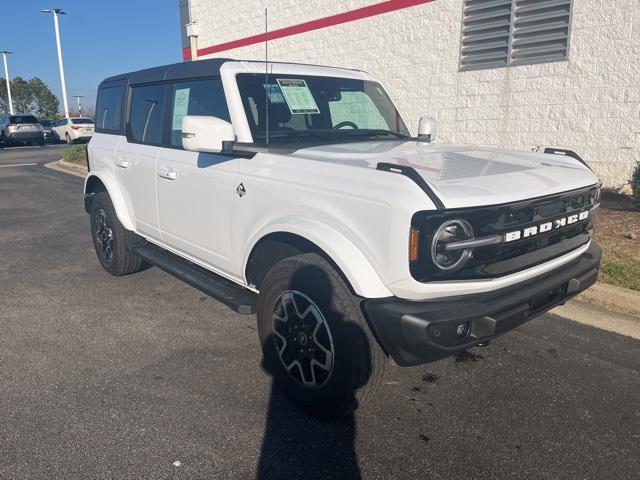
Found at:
[19, 165]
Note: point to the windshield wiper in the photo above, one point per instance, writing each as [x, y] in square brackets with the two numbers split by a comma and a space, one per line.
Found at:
[376, 132]
[333, 135]
[299, 133]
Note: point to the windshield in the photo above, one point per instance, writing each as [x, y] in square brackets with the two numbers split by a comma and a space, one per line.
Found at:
[47, 123]
[312, 108]
[81, 121]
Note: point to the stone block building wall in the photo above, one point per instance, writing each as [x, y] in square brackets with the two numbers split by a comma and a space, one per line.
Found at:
[589, 103]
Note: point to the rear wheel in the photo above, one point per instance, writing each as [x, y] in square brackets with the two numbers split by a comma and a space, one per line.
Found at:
[68, 138]
[111, 240]
[315, 339]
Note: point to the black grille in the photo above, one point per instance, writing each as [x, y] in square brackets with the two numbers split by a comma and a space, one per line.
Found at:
[505, 258]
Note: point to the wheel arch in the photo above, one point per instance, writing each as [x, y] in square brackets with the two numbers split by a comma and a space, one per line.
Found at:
[97, 182]
[296, 236]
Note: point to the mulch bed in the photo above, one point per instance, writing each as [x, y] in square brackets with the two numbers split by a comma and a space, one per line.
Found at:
[617, 230]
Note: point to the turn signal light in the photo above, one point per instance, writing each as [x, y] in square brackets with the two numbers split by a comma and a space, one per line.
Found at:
[414, 244]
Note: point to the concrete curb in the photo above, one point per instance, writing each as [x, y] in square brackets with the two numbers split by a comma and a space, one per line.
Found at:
[67, 167]
[606, 307]
[612, 298]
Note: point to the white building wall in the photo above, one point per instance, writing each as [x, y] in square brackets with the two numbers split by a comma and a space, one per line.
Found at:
[590, 103]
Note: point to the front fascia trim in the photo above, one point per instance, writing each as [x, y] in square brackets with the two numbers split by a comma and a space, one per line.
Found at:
[411, 289]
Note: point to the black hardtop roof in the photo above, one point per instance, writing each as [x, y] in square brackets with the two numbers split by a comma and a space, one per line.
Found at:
[176, 71]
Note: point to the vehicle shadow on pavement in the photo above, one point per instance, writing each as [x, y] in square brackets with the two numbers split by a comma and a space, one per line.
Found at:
[295, 443]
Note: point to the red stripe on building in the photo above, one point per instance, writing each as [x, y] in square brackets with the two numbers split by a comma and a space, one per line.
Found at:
[346, 17]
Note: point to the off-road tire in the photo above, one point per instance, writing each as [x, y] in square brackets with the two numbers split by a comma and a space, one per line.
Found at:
[358, 361]
[122, 261]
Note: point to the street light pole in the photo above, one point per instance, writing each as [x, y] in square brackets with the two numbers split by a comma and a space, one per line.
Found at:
[56, 12]
[78, 97]
[6, 77]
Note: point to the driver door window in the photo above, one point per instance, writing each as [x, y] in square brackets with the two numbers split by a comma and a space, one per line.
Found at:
[196, 97]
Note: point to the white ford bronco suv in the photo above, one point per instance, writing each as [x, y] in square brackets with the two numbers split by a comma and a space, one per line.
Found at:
[297, 192]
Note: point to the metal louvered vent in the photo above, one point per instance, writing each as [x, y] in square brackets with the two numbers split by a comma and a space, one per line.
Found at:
[485, 34]
[499, 33]
[540, 31]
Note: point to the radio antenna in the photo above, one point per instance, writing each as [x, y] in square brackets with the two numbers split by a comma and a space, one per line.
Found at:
[267, 87]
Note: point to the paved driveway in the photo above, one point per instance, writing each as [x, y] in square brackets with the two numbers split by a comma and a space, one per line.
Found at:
[30, 155]
[104, 377]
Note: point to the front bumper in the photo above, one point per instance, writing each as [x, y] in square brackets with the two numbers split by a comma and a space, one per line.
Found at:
[413, 332]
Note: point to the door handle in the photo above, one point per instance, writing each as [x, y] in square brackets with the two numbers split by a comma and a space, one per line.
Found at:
[122, 163]
[167, 173]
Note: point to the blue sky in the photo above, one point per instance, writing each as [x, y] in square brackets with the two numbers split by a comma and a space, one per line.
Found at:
[100, 38]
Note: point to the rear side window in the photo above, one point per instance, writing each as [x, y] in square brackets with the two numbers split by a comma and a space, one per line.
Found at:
[23, 119]
[145, 117]
[109, 109]
[195, 97]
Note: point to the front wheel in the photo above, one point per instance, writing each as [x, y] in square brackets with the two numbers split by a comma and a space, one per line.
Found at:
[315, 339]
[111, 240]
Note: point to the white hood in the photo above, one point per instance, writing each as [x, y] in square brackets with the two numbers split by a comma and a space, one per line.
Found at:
[465, 176]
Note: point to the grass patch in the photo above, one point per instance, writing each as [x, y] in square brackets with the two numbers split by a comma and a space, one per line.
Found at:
[76, 154]
[621, 274]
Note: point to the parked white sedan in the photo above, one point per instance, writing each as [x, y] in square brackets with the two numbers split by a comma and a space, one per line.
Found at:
[73, 129]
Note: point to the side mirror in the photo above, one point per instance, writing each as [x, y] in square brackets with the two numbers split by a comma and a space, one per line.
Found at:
[206, 134]
[427, 129]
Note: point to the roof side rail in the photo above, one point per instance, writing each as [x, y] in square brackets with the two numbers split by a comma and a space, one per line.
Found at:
[410, 172]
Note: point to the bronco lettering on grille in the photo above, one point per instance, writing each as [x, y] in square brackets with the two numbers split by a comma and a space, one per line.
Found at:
[545, 227]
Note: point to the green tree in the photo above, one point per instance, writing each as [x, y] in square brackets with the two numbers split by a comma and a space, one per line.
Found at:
[4, 101]
[22, 96]
[46, 104]
[29, 96]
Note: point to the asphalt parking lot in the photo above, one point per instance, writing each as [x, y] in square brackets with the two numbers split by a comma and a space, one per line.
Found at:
[104, 377]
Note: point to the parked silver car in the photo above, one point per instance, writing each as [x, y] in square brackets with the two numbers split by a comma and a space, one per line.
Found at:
[20, 128]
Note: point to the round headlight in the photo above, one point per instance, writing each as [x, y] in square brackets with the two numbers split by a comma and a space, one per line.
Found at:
[451, 231]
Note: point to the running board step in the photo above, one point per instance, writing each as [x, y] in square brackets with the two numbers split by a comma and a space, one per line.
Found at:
[231, 294]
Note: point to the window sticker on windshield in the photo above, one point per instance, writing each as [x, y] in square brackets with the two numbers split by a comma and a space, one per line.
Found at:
[180, 107]
[298, 96]
[274, 92]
